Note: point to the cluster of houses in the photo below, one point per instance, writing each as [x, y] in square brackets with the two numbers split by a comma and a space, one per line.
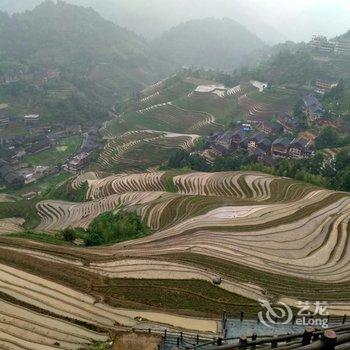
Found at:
[265, 145]
[28, 121]
[313, 108]
[339, 46]
[325, 85]
[39, 76]
[83, 157]
[9, 176]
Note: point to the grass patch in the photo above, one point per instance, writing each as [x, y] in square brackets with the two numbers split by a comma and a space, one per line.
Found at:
[56, 155]
[39, 237]
[275, 95]
[186, 296]
[225, 110]
[66, 192]
[43, 186]
[169, 183]
[21, 209]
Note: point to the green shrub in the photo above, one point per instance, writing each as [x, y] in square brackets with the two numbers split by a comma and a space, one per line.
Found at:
[111, 228]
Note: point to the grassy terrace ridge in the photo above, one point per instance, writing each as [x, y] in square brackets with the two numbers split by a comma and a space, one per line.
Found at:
[39, 237]
[222, 108]
[186, 297]
[170, 92]
[275, 95]
[277, 285]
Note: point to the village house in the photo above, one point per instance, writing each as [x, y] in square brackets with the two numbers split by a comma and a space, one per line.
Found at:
[261, 86]
[325, 85]
[4, 122]
[262, 157]
[224, 141]
[79, 161]
[31, 119]
[259, 140]
[15, 122]
[299, 148]
[9, 176]
[39, 146]
[288, 123]
[342, 47]
[280, 148]
[312, 107]
[270, 127]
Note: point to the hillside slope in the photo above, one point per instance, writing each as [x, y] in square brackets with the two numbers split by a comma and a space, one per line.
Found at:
[212, 43]
[99, 61]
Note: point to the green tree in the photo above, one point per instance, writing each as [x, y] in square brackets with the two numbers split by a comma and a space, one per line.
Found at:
[328, 137]
[109, 227]
[69, 235]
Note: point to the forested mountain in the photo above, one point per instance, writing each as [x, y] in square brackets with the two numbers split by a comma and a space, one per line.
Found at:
[98, 61]
[77, 40]
[212, 43]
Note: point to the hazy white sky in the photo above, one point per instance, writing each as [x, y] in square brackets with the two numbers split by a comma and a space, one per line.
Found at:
[294, 19]
[290, 19]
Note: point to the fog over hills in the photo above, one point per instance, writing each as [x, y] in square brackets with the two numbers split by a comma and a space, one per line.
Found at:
[272, 20]
[195, 43]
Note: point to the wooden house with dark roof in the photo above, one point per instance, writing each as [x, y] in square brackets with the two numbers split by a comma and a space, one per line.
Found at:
[299, 148]
[280, 148]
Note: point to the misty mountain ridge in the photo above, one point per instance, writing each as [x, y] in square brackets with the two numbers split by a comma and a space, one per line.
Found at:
[209, 43]
[151, 22]
[59, 34]
[78, 39]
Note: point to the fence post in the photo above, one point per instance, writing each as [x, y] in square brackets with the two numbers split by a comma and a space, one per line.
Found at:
[254, 338]
[307, 336]
[165, 333]
[224, 316]
[329, 340]
[243, 341]
[315, 337]
[274, 342]
[344, 319]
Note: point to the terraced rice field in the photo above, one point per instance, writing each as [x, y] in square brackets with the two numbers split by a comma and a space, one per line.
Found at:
[263, 106]
[169, 116]
[139, 149]
[266, 237]
[11, 225]
[236, 216]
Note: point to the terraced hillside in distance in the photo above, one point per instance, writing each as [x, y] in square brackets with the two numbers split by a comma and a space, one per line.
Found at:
[259, 106]
[265, 236]
[168, 115]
